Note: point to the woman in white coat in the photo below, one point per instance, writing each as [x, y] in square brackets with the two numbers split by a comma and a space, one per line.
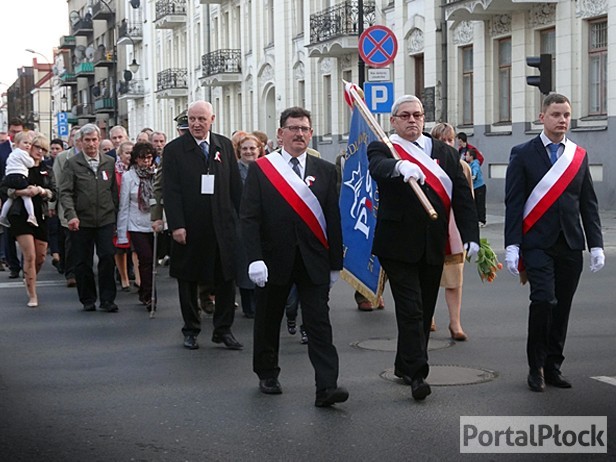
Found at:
[134, 214]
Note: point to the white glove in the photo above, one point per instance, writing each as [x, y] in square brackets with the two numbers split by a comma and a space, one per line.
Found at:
[472, 248]
[333, 277]
[257, 272]
[597, 259]
[408, 170]
[512, 258]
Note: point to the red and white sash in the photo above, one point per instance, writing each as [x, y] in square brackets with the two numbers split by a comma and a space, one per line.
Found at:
[296, 193]
[553, 183]
[438, 180]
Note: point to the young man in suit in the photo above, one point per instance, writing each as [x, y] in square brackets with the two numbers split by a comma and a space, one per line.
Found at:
[411, 247]
[292, 234]
[202, 190]
[548, 189]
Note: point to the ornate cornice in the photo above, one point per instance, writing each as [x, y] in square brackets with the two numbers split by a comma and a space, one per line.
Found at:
[543, 14]
[463, 33]
[590, 8]
[415, 41]
[500, 24]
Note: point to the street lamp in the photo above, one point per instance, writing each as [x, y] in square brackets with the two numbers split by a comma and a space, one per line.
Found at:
[30, 50]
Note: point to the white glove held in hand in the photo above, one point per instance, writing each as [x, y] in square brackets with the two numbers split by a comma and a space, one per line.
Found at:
[472, 248]
[257, 272]
[408, 170]
[597, 259]
[512, 258]
[333, 277]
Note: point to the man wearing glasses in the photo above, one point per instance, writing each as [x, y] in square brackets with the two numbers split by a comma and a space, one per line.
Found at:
[411, 247]
[292, 234]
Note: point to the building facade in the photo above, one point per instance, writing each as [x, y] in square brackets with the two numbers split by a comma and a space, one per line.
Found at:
[252, 58]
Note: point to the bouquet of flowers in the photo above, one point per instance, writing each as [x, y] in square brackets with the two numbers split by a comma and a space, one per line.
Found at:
[487, 262]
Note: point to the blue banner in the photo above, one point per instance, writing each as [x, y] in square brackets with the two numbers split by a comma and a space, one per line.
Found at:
[358, 209]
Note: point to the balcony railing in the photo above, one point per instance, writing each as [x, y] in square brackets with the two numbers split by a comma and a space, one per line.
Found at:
[339, 21]
[172, 79]
[221, 62]
[129, 32]
[68, 41]
[83, 27]
[170, 8]
[84, 68]
[68, 78]
[103, 58]
[133, 88]
[104, 105]
[102, 11]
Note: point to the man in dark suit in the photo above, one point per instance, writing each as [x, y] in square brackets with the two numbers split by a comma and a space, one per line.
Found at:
[548, 189]
[201, 196]
[292, 234]
[411, 247]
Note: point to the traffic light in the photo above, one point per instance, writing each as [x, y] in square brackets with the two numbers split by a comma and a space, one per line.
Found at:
[544, 79]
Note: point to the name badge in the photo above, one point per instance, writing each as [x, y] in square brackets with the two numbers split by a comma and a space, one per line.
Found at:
[207, 184]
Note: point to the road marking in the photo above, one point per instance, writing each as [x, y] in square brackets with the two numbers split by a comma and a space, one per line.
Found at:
[16, 284]
[606, 379]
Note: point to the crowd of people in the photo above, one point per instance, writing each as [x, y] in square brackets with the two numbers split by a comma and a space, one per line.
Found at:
[236, 213]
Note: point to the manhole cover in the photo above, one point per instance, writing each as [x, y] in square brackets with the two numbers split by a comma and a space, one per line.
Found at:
[389, 344]
[447, 375]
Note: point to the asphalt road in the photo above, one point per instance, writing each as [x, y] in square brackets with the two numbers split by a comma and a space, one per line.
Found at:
[78, 386]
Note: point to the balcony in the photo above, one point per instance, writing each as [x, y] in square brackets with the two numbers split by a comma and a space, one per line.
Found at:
[68, 79]
[221, 67]
[103, 11]
[104, 105]
[170, 14]
[172, 83]
[333, 31]
[84, 69]
[83, 27]
[84, 111]
[67, 42]
[132, 89]
[473, 10]
[210, 2]
[103, 58]
[129, 33]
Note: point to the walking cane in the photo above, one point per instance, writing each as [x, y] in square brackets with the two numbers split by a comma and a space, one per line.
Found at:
[154, 272]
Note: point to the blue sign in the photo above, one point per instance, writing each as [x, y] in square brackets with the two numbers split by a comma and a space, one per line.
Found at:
[379, 96]
[62, 124]
[378, 46]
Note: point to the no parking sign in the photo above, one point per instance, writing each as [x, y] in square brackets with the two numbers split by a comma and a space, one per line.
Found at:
[378, 46]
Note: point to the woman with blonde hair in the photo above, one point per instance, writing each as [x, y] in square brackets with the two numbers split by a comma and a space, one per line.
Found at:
[453, 268]
[32, 239]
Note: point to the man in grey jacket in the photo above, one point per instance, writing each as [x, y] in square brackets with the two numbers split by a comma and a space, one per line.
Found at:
[89, 196]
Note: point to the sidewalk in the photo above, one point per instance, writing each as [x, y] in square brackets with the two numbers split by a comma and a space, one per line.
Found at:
[494, 231]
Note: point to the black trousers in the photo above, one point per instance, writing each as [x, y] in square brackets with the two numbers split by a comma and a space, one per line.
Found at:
[553, 275]
[65, 241]
[415, 290]
[83, 243]
[224, 313]
[271, 301]
[143, 244]
[480, 203]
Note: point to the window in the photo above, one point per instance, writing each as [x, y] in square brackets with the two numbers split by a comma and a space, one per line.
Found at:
[419, 75]
[597, 68]
[346, 112]
[504, 80]
[326, 105]
[547, 44]
[298, 17]
[248, 27]
[269, 22]
[467, 85]
[300, 97]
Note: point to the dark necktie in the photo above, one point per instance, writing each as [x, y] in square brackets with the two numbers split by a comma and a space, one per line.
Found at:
[295, 166]
[205, 149]
[417, 144]
[553, 147]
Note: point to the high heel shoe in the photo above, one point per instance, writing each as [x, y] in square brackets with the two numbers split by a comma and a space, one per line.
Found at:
[458, 336]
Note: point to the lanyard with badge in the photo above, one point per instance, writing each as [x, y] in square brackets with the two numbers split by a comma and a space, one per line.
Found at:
[207, 180]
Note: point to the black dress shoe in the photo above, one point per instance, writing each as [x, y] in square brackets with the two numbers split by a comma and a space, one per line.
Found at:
[109, 307]
[89, 307]
[14, 274]
[420, 388]
[406, 378]
[228, 339]
[330, 396]
[270, 386]
[535, 380]
[556, 380]
[190, 342]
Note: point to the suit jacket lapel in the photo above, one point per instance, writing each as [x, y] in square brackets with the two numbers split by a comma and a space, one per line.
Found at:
[541, 152]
